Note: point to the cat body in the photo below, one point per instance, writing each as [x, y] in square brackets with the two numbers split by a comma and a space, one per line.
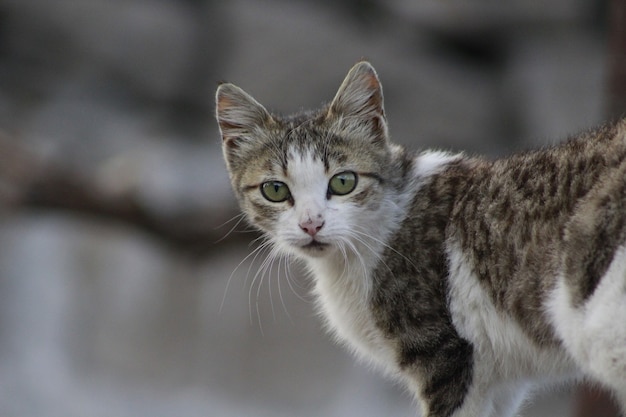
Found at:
[470, 280]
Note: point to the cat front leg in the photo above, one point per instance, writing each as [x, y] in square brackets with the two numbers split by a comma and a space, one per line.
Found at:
[451, 400]
[476, 403]
[481, 400]
[602, 338]
[508, 398]
[497, 402]
[595, 331]
[500, 401]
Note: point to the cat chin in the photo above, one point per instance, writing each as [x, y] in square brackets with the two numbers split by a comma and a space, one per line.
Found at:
[315, 249]
[310, 249]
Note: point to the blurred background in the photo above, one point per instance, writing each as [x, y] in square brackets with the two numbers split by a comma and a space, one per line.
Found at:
[122, 292]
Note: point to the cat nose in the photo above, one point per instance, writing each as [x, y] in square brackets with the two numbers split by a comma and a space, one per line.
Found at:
[312, 226]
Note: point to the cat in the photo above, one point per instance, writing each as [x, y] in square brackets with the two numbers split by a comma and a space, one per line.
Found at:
[470, 280]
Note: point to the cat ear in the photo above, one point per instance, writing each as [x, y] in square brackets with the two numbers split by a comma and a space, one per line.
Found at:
[238, 114]
[360, 100]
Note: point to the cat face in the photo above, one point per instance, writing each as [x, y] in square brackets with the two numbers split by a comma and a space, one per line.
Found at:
[314, 183]
[314, 203]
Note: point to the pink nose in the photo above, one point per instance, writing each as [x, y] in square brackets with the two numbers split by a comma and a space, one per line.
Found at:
[312, 226]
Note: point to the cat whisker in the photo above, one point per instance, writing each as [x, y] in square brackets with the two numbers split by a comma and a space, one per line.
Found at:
[291, 282]
[284, 261]
[265, 246]
[344, 253]
[383, 243]
[267, 268]
[282, 258]
[264, 238]
[272, 253]
[361, 238]
[356, 253]
[240, 217]
[348, 250]
[254, 253]
[259, 272]
[258, 277]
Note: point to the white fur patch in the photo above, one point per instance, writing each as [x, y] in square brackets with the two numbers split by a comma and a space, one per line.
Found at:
[506, 361]
[431, 162]
[595, 333]
[343, 296]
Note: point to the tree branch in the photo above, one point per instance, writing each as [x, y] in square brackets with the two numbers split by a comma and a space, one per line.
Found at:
[28, 182]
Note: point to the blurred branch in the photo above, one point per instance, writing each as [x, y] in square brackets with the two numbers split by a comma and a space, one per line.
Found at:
[28, 182]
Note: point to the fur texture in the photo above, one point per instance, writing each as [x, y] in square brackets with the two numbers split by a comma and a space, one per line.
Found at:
[471, 280]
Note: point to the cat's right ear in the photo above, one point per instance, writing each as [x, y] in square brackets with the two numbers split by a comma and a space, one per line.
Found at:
[238, 115]
[359, 103]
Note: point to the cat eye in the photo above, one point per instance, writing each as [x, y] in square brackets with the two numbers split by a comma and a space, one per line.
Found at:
[342, 183]
[275, 191]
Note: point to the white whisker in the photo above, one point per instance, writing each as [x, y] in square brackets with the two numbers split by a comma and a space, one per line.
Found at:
[284, 261]
[240, 218]
[384, 244]
[266, 268]
[269, 284]
[291, 282]
[265, 246]
[356, 253]
[258, 276]
[255, 252]
[361, 237]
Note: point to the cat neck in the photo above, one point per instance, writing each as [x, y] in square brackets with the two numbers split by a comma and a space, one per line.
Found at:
[345, 284]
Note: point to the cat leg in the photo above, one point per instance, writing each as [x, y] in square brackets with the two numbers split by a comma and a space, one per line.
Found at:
[501, 401]
[508, 398]
[595, 332]
[605, 325]
[476, 403]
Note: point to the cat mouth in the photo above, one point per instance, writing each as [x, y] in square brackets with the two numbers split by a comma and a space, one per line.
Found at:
[315, 245]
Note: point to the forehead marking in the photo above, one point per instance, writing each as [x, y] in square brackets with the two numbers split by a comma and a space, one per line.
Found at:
[307, 173]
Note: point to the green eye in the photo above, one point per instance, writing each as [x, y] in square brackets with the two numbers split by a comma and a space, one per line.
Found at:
[275, 191]
[343, 183]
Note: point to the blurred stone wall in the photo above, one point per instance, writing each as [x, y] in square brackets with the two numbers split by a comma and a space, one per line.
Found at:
[97, 319]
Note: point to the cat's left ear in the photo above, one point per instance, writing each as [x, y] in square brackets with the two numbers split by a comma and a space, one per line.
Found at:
[239, 115]
[359, 102]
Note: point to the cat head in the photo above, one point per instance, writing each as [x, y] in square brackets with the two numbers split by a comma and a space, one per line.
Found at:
[317, 182]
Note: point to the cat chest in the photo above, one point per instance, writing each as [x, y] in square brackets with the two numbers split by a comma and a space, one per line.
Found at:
[345, 305]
